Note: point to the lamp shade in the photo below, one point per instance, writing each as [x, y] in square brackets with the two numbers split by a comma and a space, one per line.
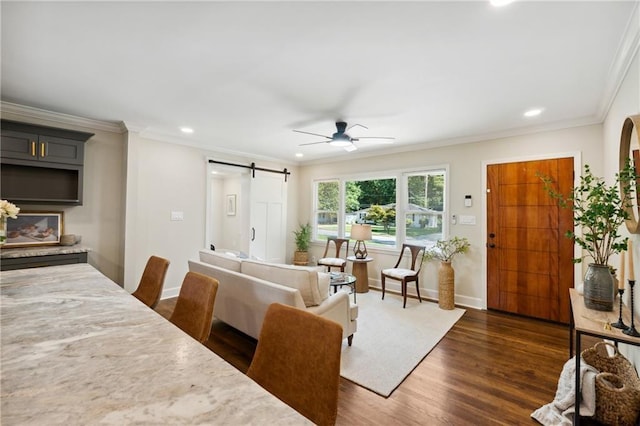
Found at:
[360, 232]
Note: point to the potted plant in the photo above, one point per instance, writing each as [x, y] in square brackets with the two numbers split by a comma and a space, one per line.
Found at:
[302, 239]
[444, 251]
[598, 210]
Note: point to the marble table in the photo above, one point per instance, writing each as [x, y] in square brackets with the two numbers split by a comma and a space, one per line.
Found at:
[78, 349]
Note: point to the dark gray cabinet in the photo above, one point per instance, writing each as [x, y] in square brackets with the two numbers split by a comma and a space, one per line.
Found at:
[40, 164]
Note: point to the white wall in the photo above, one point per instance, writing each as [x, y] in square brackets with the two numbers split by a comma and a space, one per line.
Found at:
[165, 177]
[626, 103]
[99, 220]
[466, 170]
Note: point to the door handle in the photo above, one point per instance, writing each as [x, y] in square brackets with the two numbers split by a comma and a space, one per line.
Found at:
[253, 234]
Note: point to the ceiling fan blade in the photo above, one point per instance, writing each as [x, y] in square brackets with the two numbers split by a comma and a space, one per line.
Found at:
[313, 143]
[374, 137]
[358, 125]
[314, 134]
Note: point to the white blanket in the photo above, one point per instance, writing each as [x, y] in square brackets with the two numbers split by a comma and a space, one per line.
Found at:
[562, 409]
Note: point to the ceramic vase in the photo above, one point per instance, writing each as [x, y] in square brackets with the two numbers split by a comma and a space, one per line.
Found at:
[446, 289]
[598, 288]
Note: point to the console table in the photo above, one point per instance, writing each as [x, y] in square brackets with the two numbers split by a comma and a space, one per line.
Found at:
[589, 322]
[79, 349]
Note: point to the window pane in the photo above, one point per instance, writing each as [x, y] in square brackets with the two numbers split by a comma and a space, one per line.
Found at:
[327, 202]
[424, 211]
[373, 202]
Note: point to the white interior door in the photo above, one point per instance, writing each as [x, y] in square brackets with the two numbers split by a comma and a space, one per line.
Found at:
[268, 217]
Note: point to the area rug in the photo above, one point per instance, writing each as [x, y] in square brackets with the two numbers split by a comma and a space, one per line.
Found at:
[391, 341]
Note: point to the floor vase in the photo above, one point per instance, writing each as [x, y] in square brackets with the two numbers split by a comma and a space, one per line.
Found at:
[446, 288]
[598, 288]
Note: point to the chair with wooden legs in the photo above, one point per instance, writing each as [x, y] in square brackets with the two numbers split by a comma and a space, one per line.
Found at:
[193, 313]
[336, 261]
[405, 275]
[152, 281]
[298, 360]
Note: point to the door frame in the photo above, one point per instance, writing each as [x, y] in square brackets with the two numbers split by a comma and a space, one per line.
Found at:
[577, 169]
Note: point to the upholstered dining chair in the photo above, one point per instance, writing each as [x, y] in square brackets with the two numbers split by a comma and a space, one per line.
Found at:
[193, 313]
[298, 360]
[152, 281]
[405, 275]
[336, 261]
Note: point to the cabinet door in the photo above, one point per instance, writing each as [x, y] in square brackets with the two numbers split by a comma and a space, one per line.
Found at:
[60, 150]
[30, 146]
[19, 145]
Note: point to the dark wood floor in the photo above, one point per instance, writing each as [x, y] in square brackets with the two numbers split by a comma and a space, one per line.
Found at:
[490, 369]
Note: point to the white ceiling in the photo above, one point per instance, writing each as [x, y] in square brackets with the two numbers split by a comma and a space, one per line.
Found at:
[243, 74]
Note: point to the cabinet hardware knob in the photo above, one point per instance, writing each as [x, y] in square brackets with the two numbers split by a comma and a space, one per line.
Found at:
[42, 152]
[33, 148]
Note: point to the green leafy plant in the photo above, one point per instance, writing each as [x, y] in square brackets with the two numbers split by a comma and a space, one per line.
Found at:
[303, 237]
[599, 210]
[444, 250]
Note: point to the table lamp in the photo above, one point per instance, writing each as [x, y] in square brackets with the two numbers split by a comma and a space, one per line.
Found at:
[360, 232]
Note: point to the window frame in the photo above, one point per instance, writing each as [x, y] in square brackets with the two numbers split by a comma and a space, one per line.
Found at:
[402, 198]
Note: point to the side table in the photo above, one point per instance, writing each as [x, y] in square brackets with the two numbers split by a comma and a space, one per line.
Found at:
[585, 321]
[361, 273]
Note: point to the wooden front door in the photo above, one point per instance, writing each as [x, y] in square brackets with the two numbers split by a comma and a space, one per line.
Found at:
[529, 259]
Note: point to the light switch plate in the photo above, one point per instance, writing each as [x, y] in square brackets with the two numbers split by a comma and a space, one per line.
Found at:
[177, 215]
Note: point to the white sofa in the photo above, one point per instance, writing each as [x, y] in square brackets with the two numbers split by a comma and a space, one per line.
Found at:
[247, 288]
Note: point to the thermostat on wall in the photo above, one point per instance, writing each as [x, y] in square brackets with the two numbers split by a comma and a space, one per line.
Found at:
[467, 201]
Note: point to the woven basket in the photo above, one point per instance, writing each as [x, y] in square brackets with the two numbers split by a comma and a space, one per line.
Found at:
[617, 386]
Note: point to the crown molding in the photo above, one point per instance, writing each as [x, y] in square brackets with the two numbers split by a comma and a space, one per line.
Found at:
[625, 55]
[64, 119]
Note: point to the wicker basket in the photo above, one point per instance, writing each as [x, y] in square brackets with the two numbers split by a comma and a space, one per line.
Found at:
[617, 386]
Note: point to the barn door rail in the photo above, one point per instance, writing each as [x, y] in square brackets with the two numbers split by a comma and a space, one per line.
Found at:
[253, 168]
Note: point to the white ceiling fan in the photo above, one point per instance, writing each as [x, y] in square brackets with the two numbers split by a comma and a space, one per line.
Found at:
[341, 139]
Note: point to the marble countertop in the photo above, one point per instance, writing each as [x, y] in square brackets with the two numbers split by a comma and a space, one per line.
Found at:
[78, 349]
[12, 253]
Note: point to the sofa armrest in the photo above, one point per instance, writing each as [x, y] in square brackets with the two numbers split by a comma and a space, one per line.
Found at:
[338, 308]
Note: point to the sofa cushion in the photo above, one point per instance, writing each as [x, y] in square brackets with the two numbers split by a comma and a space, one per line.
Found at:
[323, 285]
[221, 259]
[304, 279]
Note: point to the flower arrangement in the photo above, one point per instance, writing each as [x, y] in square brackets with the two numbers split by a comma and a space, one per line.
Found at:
[444, 250]
[8, 209]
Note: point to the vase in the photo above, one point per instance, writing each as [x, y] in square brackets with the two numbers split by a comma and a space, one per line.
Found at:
[301, 258]
[3, 230]
[598, 288]
[446, 289]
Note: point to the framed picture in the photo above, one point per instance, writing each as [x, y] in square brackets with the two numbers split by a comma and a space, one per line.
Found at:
[34, 229]
[231, 205]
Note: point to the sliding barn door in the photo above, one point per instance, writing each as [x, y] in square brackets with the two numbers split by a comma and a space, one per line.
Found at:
[529, 260]
[268, 217]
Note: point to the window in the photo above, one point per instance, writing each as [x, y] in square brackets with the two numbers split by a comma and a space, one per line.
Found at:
[424, 208]
[327, 207]
[372, 201]
[417, 197]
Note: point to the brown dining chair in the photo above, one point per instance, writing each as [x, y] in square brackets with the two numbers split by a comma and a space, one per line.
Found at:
[152, 281]
[298, 360]
[336, 261]
[193, 313]
[405, 275]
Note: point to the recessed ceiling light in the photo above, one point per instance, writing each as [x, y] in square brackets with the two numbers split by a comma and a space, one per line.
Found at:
[533, 112]
[188, 130]
[299, 154]
[499, 3]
